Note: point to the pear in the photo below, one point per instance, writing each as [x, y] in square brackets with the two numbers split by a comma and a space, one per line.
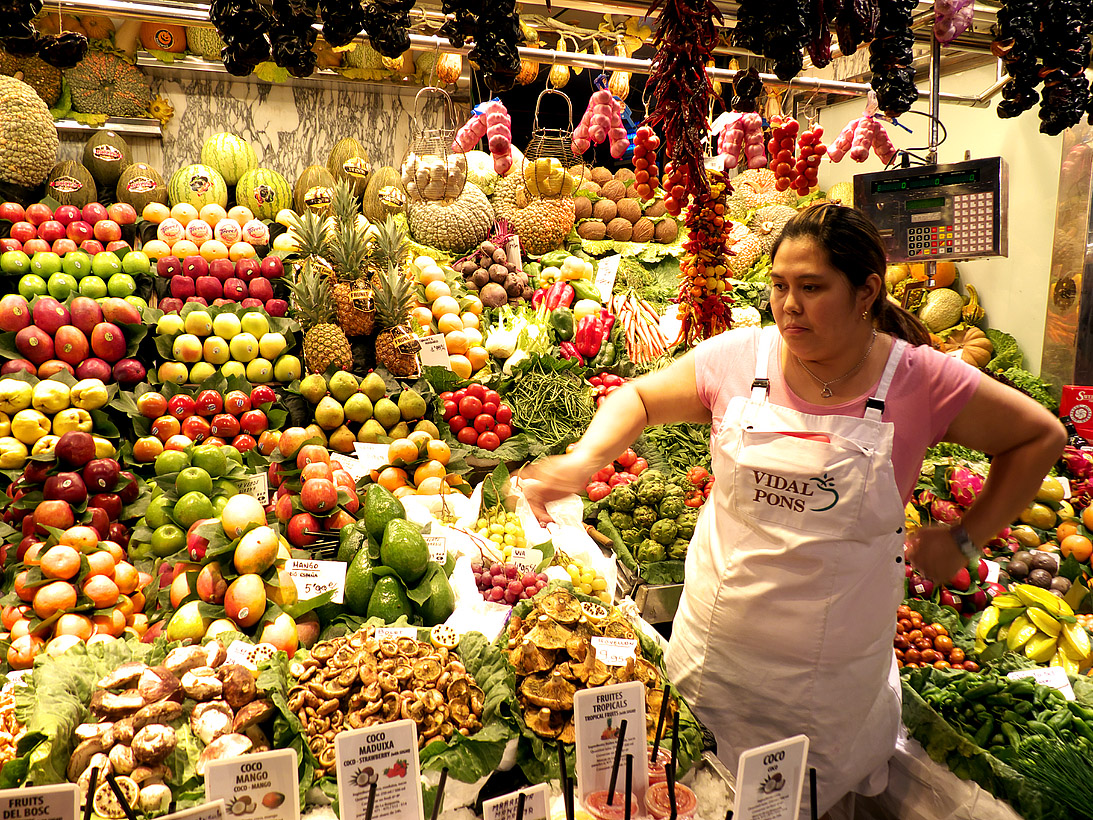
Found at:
[329, 413]
[373, 387]
[370, 432]
[358, 408]
[315, 431]
[400, 430]
[428, 427]
[343, 385]
[411, 405]
[342, 440]
[386, 412]
[313, 387]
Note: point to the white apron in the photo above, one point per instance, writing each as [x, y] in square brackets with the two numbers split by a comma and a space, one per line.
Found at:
[793, 578]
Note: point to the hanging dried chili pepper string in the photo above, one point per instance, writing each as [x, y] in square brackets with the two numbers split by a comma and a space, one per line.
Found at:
[705, 298]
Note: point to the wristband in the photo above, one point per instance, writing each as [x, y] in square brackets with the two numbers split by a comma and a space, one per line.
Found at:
[964, 541]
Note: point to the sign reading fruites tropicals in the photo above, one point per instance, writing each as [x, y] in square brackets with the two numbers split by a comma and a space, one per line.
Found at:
[598, 717]
[379, 764]
[265, 784]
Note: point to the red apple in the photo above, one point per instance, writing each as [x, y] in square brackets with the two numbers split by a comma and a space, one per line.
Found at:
[101, 475]
[93, 368]
[111, 502]
[128, 487]
[282, 508]
[129, 372]
[163, 427]
[196, 545]
[244, 442]
[196, 428]
[65, 486]
[273, 267]
[178, 442]
[209, 288]
[23, 231]
[259, 395]
[52, 514]
[276, 307]
[222, 269]
[319, 495]
[51, 230]
[254, 422]
[75, 448]
[195, 266]
[298, 528]
[200, 300]
[152, 404]
[182, 287]
[170, 304]
[251, 302]
[118, 245]
[235, 289]
[33, 246]
[181, 406]
[225, 426]
[79, 231]
[92, 246]
[261, 290]
[9, 244]
[62, 246]
[119, 534]
[236, 402]
[122, 212]
[38, 213]
[12, 212]
[94, 212]
[247, 268]
[100, 521]
[66, 214]
[209, 403]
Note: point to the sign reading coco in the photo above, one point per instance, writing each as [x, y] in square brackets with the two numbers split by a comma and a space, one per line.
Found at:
[263, 786]
[380, 765]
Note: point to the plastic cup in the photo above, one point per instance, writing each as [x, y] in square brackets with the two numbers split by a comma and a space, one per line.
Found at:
[596, 805]
[657, 772]
[658, 807]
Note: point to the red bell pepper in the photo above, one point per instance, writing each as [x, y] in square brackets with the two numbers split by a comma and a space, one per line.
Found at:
[538, 296]
[570, 351]
[560, 294]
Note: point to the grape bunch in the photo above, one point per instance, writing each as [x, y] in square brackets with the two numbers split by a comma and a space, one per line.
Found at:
[588, 582]
[504, 583]
[503, 529]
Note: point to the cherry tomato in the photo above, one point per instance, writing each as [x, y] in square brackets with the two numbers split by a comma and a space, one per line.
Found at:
[489, 440]
[451, 410]
[484, 422]
[503, 414]
[504, 431]
[470, 406]
[467, 435]
[457, 423]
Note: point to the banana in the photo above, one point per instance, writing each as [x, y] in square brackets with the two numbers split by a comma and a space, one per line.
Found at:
[1065, 661]
[1034, 596]
[1044, 621]
[1041, 647]
[1021, 630]
[1076, 639]
[1007, 600]
[987, 624]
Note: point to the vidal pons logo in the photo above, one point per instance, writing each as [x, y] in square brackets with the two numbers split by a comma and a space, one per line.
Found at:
[816, 494]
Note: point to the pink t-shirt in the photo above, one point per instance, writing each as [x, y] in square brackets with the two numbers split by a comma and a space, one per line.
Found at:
[928, 391]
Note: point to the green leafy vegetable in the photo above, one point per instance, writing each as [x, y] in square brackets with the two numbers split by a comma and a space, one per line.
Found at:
[1033, 385]
[1006, 352]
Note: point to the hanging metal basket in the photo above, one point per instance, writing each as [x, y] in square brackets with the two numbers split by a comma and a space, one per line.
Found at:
[434, 170]
[551, 170]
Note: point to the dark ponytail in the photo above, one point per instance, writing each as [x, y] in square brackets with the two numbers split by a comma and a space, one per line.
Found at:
[855, 249]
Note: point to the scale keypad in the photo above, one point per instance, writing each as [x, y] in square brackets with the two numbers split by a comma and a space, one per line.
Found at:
[933, 241]
[973, 215]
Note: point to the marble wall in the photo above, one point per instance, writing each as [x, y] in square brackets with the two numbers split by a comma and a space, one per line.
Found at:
[290, 125]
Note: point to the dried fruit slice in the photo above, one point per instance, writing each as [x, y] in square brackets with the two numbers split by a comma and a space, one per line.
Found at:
[594, 612]
[445, 636]
[106, 802]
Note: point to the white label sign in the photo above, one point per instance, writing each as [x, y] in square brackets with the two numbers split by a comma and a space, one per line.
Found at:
[395, 632]
[60, 802]
[606, 271]
[504, 808]
[526, 559]
[371, 456]
[1066, 486]
[256, 485]
[313, 578]
[351, 465]
[267, 783]
[614, 651]
[438, 548]
[769, 780]
[206, 811]
[386, 756]
[434, 352]
[597, 715]
[993, 569]
[1053, 676]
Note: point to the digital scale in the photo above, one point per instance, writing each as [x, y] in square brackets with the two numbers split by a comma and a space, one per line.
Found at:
[936, 212]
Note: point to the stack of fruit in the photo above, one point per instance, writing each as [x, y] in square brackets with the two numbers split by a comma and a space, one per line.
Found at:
[348, 409]
[1038, 624]
[493, 276]
[35, 414]
[623, 470]
[504, 583]
[477, 416]
[604, 384]
[443, 307]
[247, 281]
[651, 517]
[93, 229]
[314, 493]
[418, 465]
[85, 337]
[918, 643]
[200, 341]
[607, 207]
[966, 593]
[211, 232]
[175, 418]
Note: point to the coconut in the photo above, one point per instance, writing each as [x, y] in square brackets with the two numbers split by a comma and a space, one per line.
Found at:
[620, 229]
[644, 230]
[605, 209]
[666, 231]
[625, 175]
[590, 186]
[582, 207]
[592, 229]
[613, 190]
[656, 209]
[629, 209]
[601, 175]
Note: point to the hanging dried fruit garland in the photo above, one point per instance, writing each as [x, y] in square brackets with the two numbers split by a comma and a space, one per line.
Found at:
[705, 299]
[19, 37]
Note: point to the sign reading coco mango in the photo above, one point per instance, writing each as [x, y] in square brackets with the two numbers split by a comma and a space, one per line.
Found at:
[265, 785]
[381, 761]
[60, 802]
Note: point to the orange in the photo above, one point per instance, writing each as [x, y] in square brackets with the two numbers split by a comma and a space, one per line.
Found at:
[403, 491]
[445, 304]
[430, 275]
[438, 450]
[430, 469]
[1066, 528]
[461, 365]
[449, 322]
[155, 212]
[126, 608]
[474, 337]
[456, 342]
[472, 304]
[402, 449]
[422, 315]
[477, 356]
[101, 590]
[60, 563]
[22, 651]
[11, 614]
[433, 485]
[470, 320]
[21, 589]
[127, 577]
[214, 249]
[53, 598]
[109, 623]
[72, 623]
[139, 601]
[115, 550]
[392, 478]
[1087, 517]
[1077, 545]
[33, 556]
[20, 628]
[434, 290]
[420, 438]
[100, 562]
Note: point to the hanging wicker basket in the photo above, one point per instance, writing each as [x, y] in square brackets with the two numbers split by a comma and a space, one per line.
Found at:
[550, 168]
[433, 169]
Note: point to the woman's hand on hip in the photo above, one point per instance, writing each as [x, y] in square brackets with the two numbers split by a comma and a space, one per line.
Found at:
[934, 553]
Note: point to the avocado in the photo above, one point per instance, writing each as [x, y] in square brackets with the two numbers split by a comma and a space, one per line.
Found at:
[359, 582]
[404, 550]
[351, 539]
[380, 507]
[438, 597]
[389, 601]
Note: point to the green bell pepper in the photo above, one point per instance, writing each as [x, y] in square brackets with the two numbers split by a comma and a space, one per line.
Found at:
[586, 289]
[561, 322]
[606, 357]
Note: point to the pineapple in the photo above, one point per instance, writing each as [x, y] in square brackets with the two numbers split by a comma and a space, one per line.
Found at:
[389, 249]
[348, 253]
[396, 345]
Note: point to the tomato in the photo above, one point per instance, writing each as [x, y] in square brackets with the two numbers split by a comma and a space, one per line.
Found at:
[477, 390]
[457, 423]
[446, 395]
[504, 431]
[598, 490]
[604, 474]
[458, 395]
[627, 458]
[693, 500]
[491, 397]
[490, 408]
[489, 440]
[484, 422]
[697, 475]
[451, 410]
[622, 478]
[470, 406]
[639, 466]
[467, 435]
[503, 414]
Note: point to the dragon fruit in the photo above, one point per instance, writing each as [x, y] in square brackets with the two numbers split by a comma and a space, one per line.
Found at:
[926, 498]
[944, 511]
[1079, 463]
[964, 485]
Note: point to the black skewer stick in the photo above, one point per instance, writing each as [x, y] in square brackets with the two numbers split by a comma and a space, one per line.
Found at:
[629, 785]
[371, 802]
[729, 814]
[812, 792]
[615, 764]
[567, 797]
[670, 771]
[675, 740]
[172, 806]
[520, 798]
[91, 794]
[118, 793]
[440, 792]
[563, 780]
[660, 726]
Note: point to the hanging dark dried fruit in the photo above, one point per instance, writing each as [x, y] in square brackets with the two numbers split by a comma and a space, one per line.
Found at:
[21, 11]
[19, 39]
[777, 30]
[891, 55]
[63, 50]
[855, 23]
[1016, 31]
[1064, 55]
[342, 21]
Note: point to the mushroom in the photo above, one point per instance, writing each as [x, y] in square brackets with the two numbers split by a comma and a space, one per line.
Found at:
[91, 731]
[157, 683]
[210, 720]
[252, 714]
[164, 711]
[215, 654]
[201, 683]
[123, 759]
[553, 691]
[230, 745]
[182, 659]
[110, 705]
[548, 634]
[124, 675]
[239, 688]
[527, 658]
[562, 607]
[153, 743]
[154, 798]
[125, 730]
[81, 756]
[144, 775]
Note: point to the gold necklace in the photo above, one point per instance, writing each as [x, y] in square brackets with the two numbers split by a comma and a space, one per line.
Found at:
[826, 392]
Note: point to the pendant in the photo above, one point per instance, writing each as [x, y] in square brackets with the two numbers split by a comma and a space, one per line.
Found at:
[826, 392]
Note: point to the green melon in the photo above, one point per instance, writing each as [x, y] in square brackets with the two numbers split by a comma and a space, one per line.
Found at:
[232, 156]
[314, 190]
[140, 184]
[264, 191]
[349, 161]
[204, 42]
[106, 155]
[198, 185]
[71, 184]
[382, 177]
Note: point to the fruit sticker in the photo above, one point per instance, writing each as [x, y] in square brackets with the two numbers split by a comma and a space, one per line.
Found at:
[379, 764]
[263, 194]
[107, 153]
[66, 185]
[140, 185]
[356, 167]
[199, 183]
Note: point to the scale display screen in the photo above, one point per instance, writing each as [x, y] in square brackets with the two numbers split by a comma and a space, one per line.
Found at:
[956, 211]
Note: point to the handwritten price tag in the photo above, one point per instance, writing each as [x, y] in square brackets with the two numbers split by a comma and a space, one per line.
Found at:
[256, 485]
[606, 272]
[395, 632]
[614, 651]
[434, 352]
[438, 547]
[313, 578]
[371, 456]
[1053, 676]
[526, 559]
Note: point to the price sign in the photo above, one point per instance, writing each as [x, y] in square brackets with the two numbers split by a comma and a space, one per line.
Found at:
[371, 456]
[351, 465]
[395, 632]
[313, 578]
[598, 716]
[434, 352]
[606, 272]
[769, 780]
[438, 548]
[1053, 676]
[266, 782]
[60, 802]
[256, 485]
[504, 808]
[526, 559]
[381, 764]
[206, 811]
[614, 651]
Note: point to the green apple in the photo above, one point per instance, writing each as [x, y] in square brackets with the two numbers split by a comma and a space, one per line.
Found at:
[61, 285]
[287, 369]
[105, 264]
[259, 371]
[136, 263]
[121, 284]
[201, 371]
[230, 369]
[169, 324]
[199, 322]
[31, 285]
[45, 264]
[77, 263]
[215, 350]
[186, 348]
[255, 324]
[226, 325]
[244, 347]
[138, 302]
[272, 345]
[15, 262]
[93, 286]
